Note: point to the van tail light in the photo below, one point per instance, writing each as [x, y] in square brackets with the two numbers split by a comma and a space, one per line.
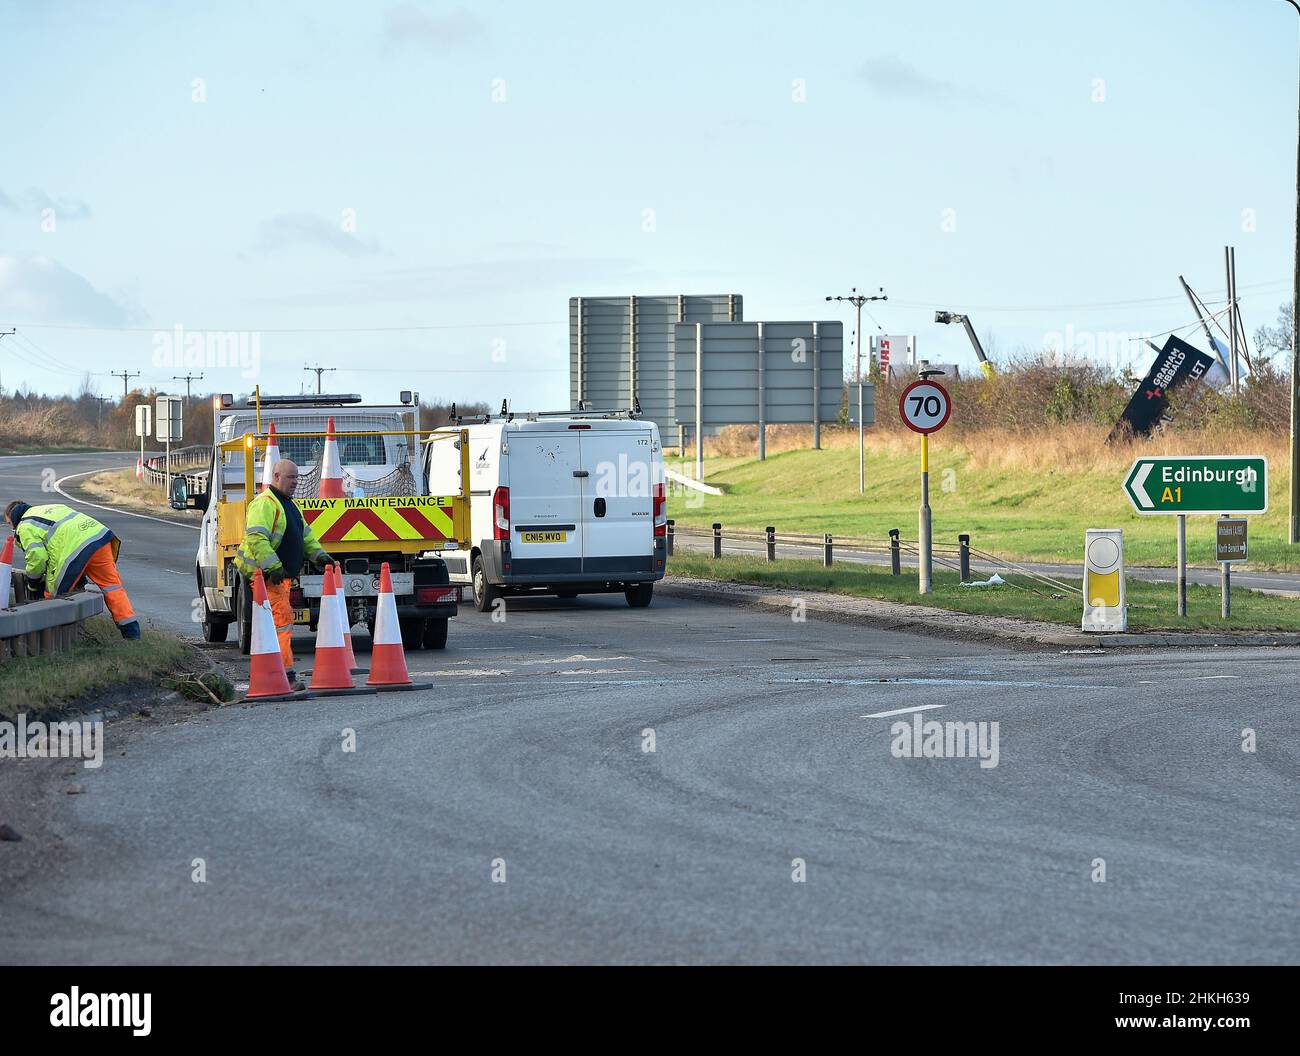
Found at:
[297, 598]
[501, 513]
[661, 511]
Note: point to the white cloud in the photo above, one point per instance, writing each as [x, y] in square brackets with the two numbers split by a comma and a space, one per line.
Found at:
[407, 24]
[307, 229]
[33, 201]
[41, 290]
[890, 75]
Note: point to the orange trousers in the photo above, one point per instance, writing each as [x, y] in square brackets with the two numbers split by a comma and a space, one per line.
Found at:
[278, 594]
[101, 570]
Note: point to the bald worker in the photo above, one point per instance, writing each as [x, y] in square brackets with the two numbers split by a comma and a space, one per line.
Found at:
[277, 540]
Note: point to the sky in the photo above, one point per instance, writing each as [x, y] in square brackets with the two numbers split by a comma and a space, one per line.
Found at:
[410, 193]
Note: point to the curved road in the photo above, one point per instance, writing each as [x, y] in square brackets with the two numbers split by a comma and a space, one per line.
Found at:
[526, 764]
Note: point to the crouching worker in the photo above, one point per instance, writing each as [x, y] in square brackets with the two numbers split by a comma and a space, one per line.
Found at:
[277, 540]
[62, 547]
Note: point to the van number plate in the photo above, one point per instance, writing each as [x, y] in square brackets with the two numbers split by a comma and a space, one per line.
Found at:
[302, 617]
[543, 537]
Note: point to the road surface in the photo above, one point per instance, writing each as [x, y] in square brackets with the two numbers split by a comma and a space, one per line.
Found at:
[527, 763]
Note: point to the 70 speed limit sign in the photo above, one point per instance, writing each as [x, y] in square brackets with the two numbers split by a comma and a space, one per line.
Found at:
[925, 406]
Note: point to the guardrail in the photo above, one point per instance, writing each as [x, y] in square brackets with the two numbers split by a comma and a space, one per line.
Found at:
[954, 556]
[45, 625]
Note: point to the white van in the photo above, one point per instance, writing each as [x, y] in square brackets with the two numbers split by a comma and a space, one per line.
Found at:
[562, 504]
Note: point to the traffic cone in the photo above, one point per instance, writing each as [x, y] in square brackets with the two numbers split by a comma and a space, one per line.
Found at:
[387, 660]
[331, 469]
[139, 469]
[6, 572]
[332, 670]
[266, 676]
[340, 599]
[272, 457]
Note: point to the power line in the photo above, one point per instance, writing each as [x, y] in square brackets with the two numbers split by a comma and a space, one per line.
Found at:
[297, 329]
[125, 376]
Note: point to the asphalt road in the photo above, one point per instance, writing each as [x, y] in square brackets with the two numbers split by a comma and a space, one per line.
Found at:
[769, 746]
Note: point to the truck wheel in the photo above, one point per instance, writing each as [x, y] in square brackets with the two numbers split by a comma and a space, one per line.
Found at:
[412, 632]
[214, 630]
[639, 596]
[484, 592]
[435, 634]
[244, 615]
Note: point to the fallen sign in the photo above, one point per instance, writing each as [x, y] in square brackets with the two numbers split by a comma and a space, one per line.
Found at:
[1198, 484]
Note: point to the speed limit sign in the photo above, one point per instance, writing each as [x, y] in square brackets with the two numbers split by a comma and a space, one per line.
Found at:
[925, 406]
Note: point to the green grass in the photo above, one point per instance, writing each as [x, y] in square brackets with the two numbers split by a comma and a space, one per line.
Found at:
[102, 661]
[1026, 514]
[1152, 605]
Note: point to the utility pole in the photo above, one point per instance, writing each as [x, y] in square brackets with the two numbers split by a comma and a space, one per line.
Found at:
[1293, 536]
[319, 371]
[3, 334]
[187, 378]
[858, 300]
[102, 400]
[125, 378]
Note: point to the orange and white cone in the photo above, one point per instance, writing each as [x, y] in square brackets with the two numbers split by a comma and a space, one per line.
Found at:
[6, 572]
[266, 677]
[272, 457]
[387, 660]
[331, 469]
[341, 601]
[332, 670]
[139, 469]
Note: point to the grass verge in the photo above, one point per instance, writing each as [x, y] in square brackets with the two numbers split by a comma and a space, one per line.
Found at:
[1022, 497]
[119, 487]
[1151, 605]
[102, 661]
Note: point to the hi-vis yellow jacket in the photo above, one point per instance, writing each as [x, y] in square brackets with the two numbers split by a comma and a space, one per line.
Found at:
[264, 532]
[57, 542]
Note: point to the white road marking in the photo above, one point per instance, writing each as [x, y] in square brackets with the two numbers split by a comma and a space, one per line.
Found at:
[901, 711]
[58, 486]
[932, 682]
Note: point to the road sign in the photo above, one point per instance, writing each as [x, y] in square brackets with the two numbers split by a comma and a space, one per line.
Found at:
[143, 423]
[925, 406]
[169, 418]
[1230, 540]
[1198, 484]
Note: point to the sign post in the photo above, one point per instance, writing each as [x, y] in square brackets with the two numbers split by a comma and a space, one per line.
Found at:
[143, 427]
[925, 407]
[1198, 485]
[1230, 544]
[168, 421]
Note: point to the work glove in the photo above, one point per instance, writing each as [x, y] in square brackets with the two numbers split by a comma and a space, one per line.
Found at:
[276, 575]
[319, 561]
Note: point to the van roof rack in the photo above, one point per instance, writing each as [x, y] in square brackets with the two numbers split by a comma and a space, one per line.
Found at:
[507, 415]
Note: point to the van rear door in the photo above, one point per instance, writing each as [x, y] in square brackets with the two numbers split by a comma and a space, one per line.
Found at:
[545, 502]
[617, 501]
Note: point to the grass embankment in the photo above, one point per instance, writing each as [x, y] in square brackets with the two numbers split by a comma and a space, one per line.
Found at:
[119, 487]
[1022, 496]
[1152, 605]
[102, 661]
